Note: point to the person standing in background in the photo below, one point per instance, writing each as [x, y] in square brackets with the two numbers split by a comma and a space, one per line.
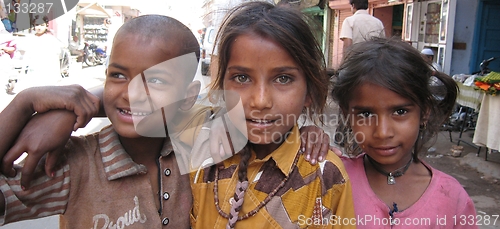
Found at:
[42, 55]
[4, 17]
[428, 56]
[361, 26]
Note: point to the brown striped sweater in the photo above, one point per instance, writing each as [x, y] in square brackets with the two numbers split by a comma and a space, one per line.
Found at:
[99, 186]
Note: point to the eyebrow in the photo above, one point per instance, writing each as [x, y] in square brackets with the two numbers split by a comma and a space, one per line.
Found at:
[392, 107]
[118, 66]
[278, 69]
[157, 71]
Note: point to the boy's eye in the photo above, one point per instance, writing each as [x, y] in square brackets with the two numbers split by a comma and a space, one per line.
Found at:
[283, 79]
[400, 112]
[156, 81]
[117, 75]
[241, 78]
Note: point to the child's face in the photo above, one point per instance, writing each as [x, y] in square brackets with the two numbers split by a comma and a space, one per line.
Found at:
[271, 85]
[40, 28]
[134, 102]
[385, 124]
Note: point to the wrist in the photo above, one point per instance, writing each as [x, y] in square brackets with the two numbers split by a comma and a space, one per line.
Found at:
[24, 101]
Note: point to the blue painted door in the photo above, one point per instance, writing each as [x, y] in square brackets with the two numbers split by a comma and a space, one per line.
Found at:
[487, 39]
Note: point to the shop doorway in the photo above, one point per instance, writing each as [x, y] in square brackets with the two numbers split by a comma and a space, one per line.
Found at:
[392, 18]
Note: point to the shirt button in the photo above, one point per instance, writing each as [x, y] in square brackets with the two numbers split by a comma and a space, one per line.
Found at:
[165, 221]
[167, 172]
[166, 196]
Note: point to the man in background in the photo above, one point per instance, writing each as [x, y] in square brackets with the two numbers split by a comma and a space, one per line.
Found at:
[428, 56]
[361, 26]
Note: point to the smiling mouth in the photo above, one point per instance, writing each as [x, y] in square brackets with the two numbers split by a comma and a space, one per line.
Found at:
[128, 112]
[261, 121]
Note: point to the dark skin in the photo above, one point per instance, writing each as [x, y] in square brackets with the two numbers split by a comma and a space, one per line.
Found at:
[35, 139]
[26, 103]
[84, 105]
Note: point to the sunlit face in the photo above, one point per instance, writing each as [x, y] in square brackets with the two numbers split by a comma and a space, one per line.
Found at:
[137, 104]
[385, 124]
[40, 28]
[271, 85]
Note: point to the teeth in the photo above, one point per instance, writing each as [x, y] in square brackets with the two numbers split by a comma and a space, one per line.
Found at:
[261, 121]
[134, 113]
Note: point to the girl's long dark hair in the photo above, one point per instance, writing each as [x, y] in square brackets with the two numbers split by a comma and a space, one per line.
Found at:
[397, 66]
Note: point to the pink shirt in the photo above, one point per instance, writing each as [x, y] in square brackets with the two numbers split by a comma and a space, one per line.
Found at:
[444, 204]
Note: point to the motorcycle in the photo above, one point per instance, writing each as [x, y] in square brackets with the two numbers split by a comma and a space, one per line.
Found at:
[464, 118]
[93, 55]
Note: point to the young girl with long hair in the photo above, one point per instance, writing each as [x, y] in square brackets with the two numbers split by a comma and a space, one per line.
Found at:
[391, 112]
[269, 57]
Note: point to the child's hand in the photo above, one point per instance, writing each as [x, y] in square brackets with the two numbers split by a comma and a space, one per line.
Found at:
[72, 98]
[337, 151]
[36, 139]
[220, 147]
[314, 143]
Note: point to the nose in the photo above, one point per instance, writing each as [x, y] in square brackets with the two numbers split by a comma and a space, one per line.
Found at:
[261, 96]
[383, 128]
[137, 90]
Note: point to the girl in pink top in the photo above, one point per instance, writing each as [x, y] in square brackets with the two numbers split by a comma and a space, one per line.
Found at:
[390, 111]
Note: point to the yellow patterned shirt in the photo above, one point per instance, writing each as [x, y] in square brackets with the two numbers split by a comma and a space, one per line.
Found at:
[315, 196]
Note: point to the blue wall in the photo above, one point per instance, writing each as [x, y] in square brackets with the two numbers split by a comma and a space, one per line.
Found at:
[465, 18]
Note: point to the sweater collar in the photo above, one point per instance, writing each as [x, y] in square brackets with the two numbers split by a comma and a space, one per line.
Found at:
[117, 162]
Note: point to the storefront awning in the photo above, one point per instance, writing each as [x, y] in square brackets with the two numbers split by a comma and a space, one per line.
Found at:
[92, 9]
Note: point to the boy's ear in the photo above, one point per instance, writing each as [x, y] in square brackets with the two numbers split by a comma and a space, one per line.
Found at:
[192, 92]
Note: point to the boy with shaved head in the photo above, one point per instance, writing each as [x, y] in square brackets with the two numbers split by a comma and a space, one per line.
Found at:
[120, 177]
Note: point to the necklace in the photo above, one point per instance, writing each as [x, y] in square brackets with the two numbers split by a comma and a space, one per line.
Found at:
[391, 177]
[261, 204]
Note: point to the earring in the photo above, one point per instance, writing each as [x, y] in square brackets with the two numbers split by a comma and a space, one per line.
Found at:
[423, 126]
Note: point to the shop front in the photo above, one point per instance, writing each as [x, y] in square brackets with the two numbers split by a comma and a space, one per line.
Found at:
[91, 23]
[423, 24]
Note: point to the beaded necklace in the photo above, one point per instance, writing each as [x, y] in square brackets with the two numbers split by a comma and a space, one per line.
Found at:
[391, 176]
[261, 204]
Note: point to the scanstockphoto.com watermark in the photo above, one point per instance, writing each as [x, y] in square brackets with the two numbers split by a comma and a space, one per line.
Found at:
[27, 12]
[372, 220]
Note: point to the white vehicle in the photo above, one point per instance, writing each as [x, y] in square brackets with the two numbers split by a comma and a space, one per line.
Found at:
[207, 50]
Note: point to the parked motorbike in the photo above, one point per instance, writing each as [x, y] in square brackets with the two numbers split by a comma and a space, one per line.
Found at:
[93, 55]
[459, 115]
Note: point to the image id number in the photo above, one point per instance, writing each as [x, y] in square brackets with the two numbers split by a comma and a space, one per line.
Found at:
[32, 8]
[476, 220]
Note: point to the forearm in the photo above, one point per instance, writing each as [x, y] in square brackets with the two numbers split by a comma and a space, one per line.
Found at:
[347, 42]
[98, 91]
[13, 119]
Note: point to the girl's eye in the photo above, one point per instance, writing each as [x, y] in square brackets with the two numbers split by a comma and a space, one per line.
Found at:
[283, 79]
[365, 114]
[400, 112]
[241, 78]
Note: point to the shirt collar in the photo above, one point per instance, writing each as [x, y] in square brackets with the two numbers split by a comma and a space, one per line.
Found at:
[116, 161]
[361, 12]
[285, 154]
